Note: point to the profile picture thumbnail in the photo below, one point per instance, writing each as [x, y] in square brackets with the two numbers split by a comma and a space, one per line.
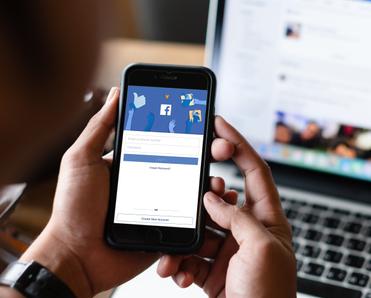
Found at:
[293, 30]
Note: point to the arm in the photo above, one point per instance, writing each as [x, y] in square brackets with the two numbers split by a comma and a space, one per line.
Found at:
[56, 257]
[10, 293]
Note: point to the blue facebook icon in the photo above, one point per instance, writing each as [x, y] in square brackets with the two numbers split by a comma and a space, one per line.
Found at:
[165, 110]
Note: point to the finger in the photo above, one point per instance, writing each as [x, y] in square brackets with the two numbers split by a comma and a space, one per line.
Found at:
[241, 223]
[230, 196]
[261, 193]
[216, 278]
[183, 279]
[172, 265]
[217, 185]
[169, 265]
[211, 245]
[222, 149]
[209, 276]
[245, 228]
[192, 270]
[90, 143]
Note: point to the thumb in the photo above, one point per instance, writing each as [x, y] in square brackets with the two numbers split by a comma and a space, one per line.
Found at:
[90, 144]
[243, 225]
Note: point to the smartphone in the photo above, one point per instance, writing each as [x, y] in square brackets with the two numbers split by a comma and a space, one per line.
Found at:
[160, 168]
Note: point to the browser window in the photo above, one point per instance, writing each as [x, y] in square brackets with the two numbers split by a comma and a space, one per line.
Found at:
[161, 156]
[298, 73]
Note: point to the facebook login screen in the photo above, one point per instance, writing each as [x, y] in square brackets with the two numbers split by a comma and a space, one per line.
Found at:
[160, 162]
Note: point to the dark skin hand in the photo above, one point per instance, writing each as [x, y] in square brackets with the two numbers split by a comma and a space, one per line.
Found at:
[76, 228]
[255, 258]
[72, 245]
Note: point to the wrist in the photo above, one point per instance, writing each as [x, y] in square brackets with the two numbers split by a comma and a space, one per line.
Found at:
[53, 254]
[9, 292]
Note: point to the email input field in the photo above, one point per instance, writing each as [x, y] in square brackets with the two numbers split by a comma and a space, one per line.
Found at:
[162, 144]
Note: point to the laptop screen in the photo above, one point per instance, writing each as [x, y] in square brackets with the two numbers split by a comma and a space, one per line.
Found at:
[294, 76]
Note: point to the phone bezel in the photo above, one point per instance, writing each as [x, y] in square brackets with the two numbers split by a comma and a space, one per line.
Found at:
[156, 238]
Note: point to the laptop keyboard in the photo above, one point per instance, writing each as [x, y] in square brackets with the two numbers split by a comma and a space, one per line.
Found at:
[332, 246]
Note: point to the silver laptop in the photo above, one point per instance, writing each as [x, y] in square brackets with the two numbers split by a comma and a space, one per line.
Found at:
[294, 76]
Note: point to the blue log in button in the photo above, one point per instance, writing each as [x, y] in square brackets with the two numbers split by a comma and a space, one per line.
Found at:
[161, 159]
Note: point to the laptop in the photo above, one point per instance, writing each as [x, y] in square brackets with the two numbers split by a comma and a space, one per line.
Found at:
[294, 76]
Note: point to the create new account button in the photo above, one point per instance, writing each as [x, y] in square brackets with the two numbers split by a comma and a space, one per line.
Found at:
[154, 219]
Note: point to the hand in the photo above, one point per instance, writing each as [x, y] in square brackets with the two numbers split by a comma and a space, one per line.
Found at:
[255, 258]
[72, 244]
[172, 125]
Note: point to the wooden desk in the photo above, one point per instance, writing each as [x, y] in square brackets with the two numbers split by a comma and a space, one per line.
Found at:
[34, 211]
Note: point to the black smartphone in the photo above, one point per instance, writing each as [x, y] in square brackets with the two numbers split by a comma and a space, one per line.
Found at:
[160, 168]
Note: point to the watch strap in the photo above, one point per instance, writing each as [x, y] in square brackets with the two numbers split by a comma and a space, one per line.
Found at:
[34, 281]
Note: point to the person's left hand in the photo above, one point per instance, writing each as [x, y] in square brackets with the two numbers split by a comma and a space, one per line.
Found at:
[72, 245]
[75, 232]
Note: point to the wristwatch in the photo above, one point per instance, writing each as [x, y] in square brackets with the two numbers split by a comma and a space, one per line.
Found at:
[34, 281]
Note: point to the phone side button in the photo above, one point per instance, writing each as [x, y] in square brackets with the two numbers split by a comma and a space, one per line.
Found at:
[153, 235]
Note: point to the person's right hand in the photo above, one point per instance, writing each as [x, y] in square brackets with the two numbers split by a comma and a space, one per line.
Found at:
[255, 259]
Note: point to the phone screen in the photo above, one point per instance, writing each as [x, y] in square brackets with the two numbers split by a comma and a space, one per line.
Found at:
[160, 162]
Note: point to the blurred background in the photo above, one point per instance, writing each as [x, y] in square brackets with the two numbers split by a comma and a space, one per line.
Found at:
[161, 31]
[160, 20]
[308, 64]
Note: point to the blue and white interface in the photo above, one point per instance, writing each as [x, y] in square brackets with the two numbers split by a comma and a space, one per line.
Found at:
[160, 162]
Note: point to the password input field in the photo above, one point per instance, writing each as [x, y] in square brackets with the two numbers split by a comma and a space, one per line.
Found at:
[160, 149]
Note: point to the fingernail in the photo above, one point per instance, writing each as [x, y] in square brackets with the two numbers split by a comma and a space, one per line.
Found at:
[111, 94]
[180, 278]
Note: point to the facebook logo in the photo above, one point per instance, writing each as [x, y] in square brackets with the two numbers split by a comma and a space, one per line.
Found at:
[165, 110]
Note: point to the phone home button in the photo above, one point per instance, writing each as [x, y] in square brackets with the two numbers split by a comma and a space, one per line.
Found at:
[153, 235]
